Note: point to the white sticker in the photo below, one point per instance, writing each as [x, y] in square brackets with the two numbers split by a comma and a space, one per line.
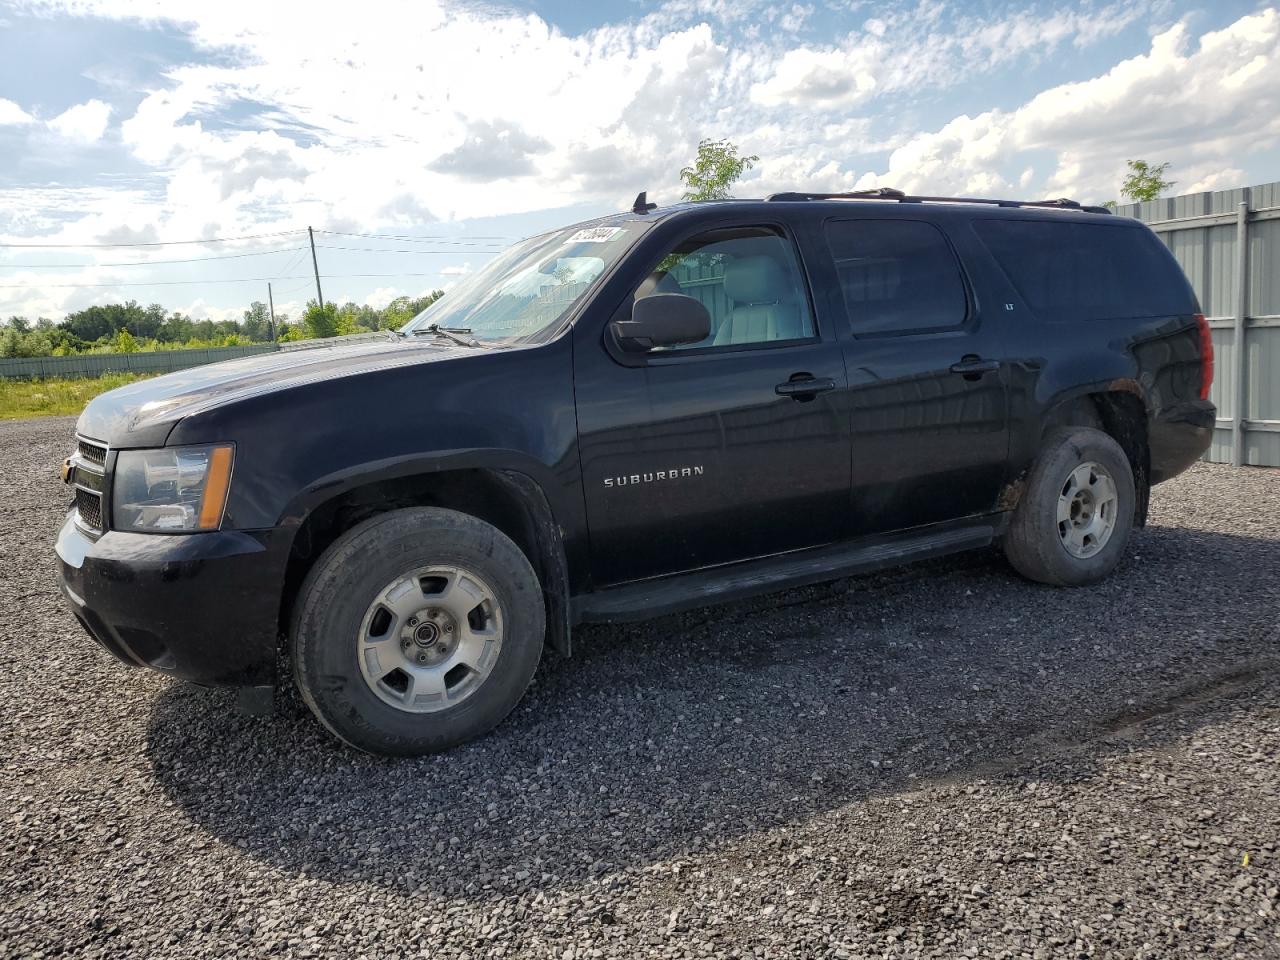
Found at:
[594, 235]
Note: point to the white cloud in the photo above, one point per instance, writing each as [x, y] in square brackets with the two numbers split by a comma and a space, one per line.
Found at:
[913, 49]
[1200, 106]
[823, 78]
[406, 112]
[466, 111]
[86, 122]
[12, 115]
[793, 19]
[456, 271]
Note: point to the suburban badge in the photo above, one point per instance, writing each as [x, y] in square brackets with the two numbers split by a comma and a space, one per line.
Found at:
[653, 476]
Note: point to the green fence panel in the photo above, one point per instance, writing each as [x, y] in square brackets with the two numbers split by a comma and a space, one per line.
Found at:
[96, 364]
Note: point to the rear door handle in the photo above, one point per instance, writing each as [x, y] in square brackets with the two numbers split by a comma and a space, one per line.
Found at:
[975, 366]
[805, 388]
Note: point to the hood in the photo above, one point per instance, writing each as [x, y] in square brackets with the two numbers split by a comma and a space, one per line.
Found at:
[142, 414]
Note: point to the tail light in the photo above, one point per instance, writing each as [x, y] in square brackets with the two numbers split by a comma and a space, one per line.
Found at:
[1206, 356]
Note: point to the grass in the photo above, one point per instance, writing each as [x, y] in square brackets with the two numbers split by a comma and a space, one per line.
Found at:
[21, 399]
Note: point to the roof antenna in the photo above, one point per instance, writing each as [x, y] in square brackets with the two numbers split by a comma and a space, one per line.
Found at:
[642, 204]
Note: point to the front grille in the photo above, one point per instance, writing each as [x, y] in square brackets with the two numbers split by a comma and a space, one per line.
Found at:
[89, 508]
[93, 452]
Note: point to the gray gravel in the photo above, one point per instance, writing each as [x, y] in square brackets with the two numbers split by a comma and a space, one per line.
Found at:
[940, 761]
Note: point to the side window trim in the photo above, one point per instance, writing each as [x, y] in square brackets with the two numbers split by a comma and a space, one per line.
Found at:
[970, 318]
[683, 354]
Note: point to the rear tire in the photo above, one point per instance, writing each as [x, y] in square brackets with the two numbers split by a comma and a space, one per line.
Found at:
[417, 630]
[1073, 521]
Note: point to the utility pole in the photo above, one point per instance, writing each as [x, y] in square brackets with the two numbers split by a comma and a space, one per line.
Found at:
[272, 304]
[316, 266]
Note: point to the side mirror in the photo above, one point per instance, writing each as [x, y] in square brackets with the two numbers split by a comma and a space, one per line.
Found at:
[663, 320]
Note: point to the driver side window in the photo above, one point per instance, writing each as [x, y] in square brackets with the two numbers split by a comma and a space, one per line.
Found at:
[749, 280]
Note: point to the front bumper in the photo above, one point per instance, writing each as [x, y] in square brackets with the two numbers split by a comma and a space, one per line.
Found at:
[202, 607]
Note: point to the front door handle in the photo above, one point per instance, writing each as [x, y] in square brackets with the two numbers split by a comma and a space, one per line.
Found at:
[972, 367]
[804, 388]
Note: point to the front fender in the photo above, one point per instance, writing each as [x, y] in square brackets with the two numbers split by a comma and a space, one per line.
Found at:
[353, 476]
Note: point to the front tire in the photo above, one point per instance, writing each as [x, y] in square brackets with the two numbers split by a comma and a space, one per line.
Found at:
[417, 630]
[1073, 522]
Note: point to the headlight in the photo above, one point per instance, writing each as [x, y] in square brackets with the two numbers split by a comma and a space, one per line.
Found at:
[173, 489]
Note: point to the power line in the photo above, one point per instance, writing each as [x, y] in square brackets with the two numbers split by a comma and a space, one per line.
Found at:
[349, 276]
[290, 291]
[134, 283]
[174, 283]
[452, 253]
[151, 243]
[225, 256]
[436, 238]
[146, 263]
[296, 261]
[426, 239]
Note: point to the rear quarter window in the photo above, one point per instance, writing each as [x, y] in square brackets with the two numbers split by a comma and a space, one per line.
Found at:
[1084, 271]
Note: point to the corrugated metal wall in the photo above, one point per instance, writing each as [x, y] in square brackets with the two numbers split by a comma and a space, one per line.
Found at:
[96, 364]
[1241, 298]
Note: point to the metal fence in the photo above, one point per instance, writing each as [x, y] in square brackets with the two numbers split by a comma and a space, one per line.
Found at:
[1228, 242]
[96, 364]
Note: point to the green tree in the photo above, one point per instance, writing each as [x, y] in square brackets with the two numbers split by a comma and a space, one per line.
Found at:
[356, 319]
[150, 323]
[10, 342]
[95, 323]
[257, 322]
[1145, 181]
[320, 321]
[400, 311]
[124, 342]
[715, 170]
[176, 328]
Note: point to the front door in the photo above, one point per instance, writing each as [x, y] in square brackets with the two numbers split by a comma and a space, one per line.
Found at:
[927, 387]
[732, 448]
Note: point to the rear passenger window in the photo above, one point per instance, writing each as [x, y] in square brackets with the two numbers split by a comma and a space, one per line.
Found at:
[898, 276]
[1086, 271]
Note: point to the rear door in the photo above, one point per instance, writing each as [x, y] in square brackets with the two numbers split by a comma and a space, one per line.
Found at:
[927, 377]
[733, 448]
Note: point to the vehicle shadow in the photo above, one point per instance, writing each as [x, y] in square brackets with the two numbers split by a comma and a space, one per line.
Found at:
[672, 736]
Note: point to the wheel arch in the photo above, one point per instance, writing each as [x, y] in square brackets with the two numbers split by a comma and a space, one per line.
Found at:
[509, 499]
[1119, 410]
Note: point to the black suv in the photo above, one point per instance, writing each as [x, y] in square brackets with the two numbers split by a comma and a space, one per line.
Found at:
[650, 411]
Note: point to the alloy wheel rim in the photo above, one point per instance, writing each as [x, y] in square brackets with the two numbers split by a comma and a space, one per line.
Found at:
[1087, 506]
[430, 638]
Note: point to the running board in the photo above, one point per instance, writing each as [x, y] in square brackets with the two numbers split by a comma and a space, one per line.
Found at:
[651, 598]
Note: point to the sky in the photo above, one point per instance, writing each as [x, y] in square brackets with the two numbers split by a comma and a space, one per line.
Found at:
[417, 137]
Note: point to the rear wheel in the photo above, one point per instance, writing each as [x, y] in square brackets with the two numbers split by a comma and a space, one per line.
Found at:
[416, 631]
[1074, 519]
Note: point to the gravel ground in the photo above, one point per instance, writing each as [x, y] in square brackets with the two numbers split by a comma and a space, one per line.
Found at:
[942, 760]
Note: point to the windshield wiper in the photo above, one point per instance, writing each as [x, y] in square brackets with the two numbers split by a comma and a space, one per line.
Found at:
[453, 334]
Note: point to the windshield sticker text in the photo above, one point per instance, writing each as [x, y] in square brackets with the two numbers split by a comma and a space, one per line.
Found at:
[594, 235]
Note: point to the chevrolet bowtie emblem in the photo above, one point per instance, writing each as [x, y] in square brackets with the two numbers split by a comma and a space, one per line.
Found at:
[66, 470]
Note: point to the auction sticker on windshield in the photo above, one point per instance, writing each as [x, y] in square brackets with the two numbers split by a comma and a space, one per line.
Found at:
[595, 235]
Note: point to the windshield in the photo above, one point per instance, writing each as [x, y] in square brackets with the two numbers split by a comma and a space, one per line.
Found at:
[529, 287]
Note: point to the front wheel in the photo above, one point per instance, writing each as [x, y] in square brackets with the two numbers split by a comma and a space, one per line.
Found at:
[1073, 522]
[417, 630]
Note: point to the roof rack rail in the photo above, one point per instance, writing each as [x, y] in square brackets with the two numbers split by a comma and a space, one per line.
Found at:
[888, 193]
